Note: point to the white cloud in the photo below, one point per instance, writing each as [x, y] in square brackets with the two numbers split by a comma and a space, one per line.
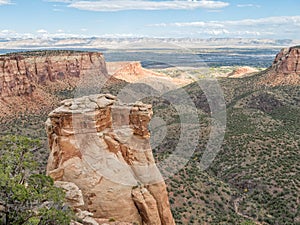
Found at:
[273, 21]
[42, 31]
[119, 35]
[247, 27]
[248, 5]
[11, 34]
[5, 2]
[57, 10]
[46, 35]
[199, 24]
[215, 32]
[218, 32]
[120, 5]
[215, 10]
[279, 20]
[7, 31]
[62, 1]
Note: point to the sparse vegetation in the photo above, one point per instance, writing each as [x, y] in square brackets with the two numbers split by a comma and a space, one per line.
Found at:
[255, 177]
[43, 53]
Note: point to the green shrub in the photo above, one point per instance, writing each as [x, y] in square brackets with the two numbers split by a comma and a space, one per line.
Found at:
[26, 197]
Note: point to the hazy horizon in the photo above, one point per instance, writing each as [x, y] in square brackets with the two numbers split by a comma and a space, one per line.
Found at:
[149, 18]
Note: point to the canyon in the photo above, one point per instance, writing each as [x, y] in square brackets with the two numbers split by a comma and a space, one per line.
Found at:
[101, 156]
[31, 79]
[22, 74]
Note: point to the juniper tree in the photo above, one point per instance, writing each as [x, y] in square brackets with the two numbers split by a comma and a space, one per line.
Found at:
[27, 197]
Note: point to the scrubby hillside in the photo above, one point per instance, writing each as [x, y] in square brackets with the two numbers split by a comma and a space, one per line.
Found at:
[257, 167]
[254, 178]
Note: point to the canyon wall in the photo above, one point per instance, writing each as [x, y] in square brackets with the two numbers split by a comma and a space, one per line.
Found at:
[103, 147]
[21, 73]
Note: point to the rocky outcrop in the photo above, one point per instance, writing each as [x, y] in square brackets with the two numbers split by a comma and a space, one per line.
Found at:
[133, 72]
[74, 197]
[21, 73]
[103, 147]
[288, 61]
[285, 69]
[242, 71]
[31, 79]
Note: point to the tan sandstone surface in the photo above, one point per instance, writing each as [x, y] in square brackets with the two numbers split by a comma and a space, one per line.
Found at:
[242, 71]
[133, 72]
[103, 147]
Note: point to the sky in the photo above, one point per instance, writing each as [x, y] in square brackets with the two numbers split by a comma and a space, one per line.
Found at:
[150, 18]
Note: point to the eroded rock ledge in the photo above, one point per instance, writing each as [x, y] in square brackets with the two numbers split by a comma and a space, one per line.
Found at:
[102, 146]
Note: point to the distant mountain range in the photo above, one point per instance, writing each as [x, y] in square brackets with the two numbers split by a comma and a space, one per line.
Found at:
[139, 43]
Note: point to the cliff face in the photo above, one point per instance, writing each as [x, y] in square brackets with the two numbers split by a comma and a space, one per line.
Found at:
[20, 74]
[288, 61]
[285, 69]
[103, 147]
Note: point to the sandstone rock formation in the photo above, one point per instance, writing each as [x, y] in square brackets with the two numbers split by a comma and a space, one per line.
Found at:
[285, 69]
[288, 61]
[133, 72]
[21, 73]
[242, 71]
[74, 197]
[29, 79]
[103, 147]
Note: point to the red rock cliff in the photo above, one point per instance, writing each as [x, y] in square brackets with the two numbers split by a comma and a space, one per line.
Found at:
[288, 61]
[21, 73]
[103, 147]
[285, 69]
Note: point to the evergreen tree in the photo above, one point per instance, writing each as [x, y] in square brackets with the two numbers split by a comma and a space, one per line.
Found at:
[27, 197]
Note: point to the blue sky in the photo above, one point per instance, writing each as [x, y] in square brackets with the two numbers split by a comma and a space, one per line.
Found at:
[150, 18]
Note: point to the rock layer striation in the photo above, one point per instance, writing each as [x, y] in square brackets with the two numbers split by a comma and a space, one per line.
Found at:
[103, 147]
[21, 73]
[288, 61]
[285, 69]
